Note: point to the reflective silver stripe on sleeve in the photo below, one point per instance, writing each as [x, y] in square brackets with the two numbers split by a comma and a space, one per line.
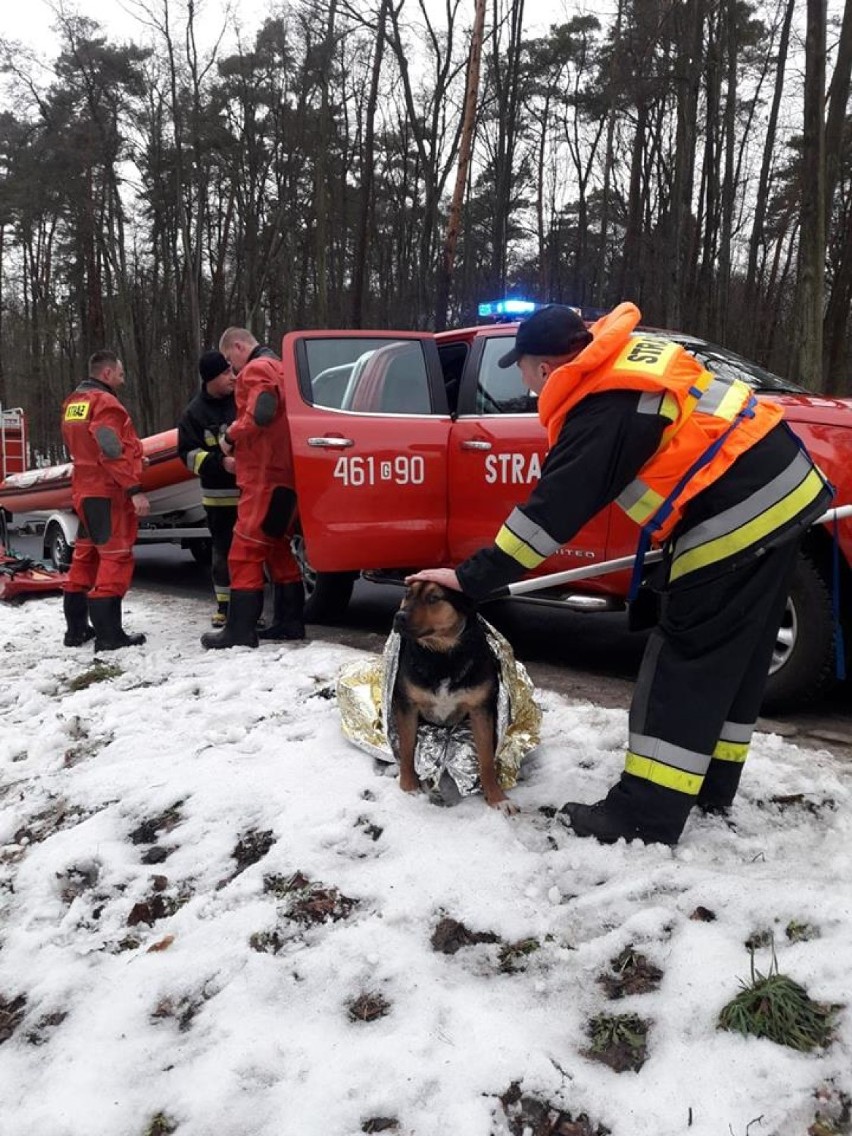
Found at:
[192, 462]
[109, 442]
[650, 403]
[739, 515]
[531, 534]
[655, 749]
[265, 408]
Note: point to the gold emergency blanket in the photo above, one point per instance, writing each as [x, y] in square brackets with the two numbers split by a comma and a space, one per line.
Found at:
[364, 689]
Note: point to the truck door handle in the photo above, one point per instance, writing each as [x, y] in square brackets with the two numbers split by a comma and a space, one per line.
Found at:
[473, 444]
[331, 443]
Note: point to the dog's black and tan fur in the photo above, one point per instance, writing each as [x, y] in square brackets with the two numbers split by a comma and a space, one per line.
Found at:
[446, 673]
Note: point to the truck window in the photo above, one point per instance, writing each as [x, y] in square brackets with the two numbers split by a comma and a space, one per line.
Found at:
[498, 390]
[369, 376]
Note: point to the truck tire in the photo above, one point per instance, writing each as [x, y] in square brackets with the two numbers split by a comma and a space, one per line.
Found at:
[57, 550]
[802, 667]
[327, 594]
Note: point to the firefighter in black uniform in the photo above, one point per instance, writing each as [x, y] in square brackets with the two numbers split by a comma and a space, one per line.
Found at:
[203, 422]
[713, 475]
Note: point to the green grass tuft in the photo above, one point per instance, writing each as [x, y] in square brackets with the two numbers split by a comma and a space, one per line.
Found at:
[774, 1006]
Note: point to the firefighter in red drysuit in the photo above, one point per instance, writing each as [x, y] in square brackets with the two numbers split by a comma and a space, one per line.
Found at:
[712, 474]
[259, 439]
[107, 495]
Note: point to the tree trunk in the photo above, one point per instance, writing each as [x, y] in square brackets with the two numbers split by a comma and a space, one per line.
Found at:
[811, 285]
[451, 237]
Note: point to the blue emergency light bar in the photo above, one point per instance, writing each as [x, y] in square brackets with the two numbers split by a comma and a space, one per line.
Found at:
[507, 309]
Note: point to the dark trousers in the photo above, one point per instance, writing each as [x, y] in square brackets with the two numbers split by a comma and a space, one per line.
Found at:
[706, 664]
[221, 520]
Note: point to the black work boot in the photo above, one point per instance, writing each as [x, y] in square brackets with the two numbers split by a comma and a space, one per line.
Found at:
[720, 785]
[634, 809]
[241, 629]
[76, 608]
[105, 614]
[288, 621]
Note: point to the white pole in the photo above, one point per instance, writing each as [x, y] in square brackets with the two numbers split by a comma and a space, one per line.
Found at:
[605, 566]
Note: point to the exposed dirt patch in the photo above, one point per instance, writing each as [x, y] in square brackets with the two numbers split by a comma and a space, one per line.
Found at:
[381, 1124]
[58, 815]
[513, 957]
[11, 1014]
[618, 1040]
[450, 936]
[796, 801]
[834, 1112]
[44, 1027]
[250, 848]
[798, 932]
[159, 904]
[370, 829]
[368, 1007]
[77, 880]
[529, 1116]
[161, 1125]
[149, 830]
[703, 915]
[631, 973]
[183, 1008]
[97, 672]
[309, 902]
[156, 854]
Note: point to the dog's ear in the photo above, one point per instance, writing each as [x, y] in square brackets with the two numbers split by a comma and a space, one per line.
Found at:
[460, 601]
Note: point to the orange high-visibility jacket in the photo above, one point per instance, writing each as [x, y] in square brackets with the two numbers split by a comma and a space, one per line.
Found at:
[700, 407]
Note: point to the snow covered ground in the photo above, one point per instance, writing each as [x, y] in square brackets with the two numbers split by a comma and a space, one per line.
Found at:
[178, 846]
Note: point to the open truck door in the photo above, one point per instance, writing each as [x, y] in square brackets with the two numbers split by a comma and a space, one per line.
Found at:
[369, 424]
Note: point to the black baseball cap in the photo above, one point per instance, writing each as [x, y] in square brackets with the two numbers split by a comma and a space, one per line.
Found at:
[554, 330]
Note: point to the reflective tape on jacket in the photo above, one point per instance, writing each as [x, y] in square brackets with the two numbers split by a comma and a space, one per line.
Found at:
[525, 541]
[750, 521]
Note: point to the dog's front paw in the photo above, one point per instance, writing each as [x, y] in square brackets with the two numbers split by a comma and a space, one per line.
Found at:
[502, 803]
[409, 783]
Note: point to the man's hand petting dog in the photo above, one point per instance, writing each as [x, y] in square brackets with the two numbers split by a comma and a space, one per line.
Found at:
[446, 674]
[445, 577]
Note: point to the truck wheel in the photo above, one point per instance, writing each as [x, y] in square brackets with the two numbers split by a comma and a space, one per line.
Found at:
[56, 547]
[327, 594]
[802, 667]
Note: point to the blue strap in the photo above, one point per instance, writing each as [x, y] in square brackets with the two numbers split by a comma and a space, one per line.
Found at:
[664, 510]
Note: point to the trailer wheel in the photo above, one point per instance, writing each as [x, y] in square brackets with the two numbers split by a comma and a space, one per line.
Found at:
[56, 547]
[327, 594]
[802, 668]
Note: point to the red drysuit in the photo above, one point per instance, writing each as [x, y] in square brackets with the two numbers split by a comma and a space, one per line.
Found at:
[266, 513]
[107, 457]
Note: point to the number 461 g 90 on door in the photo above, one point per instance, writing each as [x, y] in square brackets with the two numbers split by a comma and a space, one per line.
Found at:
[401, 470]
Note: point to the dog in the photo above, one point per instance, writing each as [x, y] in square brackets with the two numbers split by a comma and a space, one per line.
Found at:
[446, 673]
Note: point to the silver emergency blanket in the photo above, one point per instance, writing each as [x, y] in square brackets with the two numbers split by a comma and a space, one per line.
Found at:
[364, 689]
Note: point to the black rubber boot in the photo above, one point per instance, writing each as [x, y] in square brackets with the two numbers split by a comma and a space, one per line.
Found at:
[288, 620]
[105, 614]
[79, 630]
[241, 628]
[633, 809]
[720, 785]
